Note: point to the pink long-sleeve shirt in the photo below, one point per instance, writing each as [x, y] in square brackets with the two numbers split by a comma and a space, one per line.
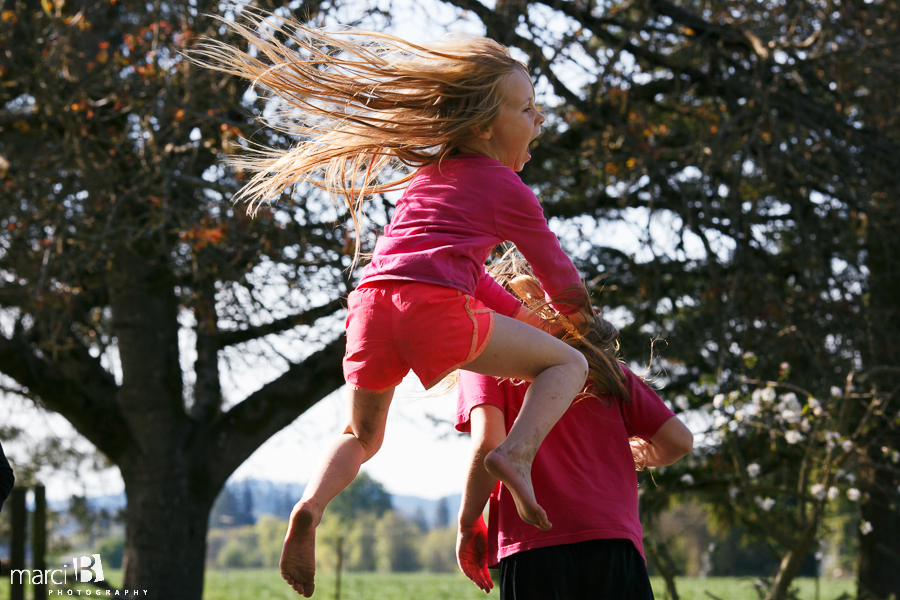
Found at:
[450, 218]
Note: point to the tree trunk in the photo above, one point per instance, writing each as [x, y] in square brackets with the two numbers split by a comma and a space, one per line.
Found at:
[168, 505]
[790, 565]
[879, 559]
[879, 556]
[665, 566]
[165, 532]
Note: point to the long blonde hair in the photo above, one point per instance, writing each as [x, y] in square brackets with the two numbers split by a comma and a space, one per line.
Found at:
[367, 102]
[598, 339]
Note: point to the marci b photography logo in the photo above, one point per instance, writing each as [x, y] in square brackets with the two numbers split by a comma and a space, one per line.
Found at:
[87, 569]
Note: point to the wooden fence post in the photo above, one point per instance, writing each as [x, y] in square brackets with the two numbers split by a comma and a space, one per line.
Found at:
[18, 516]
[340, 564]
[39, 539]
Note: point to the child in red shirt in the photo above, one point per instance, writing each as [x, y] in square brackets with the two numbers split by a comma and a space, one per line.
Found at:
[585, 479]
[461, 112]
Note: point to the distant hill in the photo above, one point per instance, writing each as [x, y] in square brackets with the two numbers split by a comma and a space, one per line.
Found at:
[409, 506]
[277, 498]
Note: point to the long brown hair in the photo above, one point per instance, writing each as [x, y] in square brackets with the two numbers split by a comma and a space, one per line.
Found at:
[598, 339]
[359, 103]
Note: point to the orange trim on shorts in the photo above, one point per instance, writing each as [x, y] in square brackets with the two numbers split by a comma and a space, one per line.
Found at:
[358, 388]
[473, 351]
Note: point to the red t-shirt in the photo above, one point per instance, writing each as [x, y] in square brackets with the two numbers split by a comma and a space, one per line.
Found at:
[450, 218]
[583, 473]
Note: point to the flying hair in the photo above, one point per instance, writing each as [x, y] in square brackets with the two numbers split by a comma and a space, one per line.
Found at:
[360, 104]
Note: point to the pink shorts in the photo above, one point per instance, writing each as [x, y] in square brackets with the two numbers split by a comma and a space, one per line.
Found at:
[397, 325]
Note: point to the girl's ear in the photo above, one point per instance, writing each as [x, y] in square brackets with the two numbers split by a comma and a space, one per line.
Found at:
[483, 133]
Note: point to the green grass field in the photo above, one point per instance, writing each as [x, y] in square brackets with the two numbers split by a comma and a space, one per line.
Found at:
[266, 584]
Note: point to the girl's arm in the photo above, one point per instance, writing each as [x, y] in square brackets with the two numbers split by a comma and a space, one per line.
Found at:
[672, 441]
[493, 295]
[488, 431]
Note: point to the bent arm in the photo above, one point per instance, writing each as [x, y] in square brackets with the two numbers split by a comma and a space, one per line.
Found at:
[488, 432]
[672, 441]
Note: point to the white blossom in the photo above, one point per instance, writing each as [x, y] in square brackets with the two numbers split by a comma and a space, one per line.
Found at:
[865, 528]
[895, 457]
[815, 406]
[793, 437]
[847, 445]
[790, 408]
[733, 492]
[682, 402]
[818, 491]
[853, 494]
[687, 478]
[790, 416]
[734, 395]
[836, 391]
[739, 414]
[763, 395]
[720, 421]
[766, 504]
[753, 470]
[719, 400]
[733, 425]
[805, 426]
[833, 493]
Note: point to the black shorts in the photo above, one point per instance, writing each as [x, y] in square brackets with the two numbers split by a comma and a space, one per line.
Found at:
[591, 570]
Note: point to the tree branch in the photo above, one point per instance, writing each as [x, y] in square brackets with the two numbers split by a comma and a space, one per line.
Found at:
[231, 338]
[238, 433]
[74, 385]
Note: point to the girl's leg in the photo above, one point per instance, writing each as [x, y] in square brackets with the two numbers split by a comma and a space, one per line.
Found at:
[358, 443]
[557, 373]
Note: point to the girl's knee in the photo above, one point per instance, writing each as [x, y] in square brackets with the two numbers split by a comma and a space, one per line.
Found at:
[369, 435]
[579, 365]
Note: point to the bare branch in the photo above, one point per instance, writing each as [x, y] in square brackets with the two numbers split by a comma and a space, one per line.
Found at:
[236, 434]
[231, 338]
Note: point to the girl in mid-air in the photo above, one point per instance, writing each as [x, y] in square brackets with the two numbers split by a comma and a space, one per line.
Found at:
[458, 116]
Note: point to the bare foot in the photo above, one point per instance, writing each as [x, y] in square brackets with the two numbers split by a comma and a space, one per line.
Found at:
[516, 476]
[298, 556]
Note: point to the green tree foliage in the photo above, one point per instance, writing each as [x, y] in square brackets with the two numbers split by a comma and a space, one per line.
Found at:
[442, 514]
[240, 551]
[270, 531]
[363, 495]
[395, 544]
[360, 546]
[111, 551]
[437, 550]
